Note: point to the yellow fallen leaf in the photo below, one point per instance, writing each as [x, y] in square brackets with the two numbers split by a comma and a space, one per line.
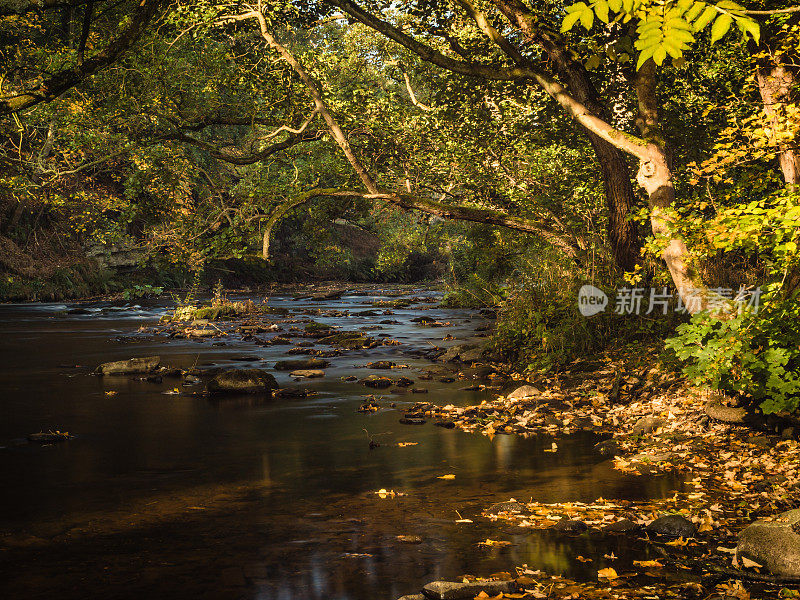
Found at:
[679, 542]
[111, 393]
[607, 573]
[582, 559]
[405, 444]
[647, 563]
[448, 476]
[750, 564]
[494, 543]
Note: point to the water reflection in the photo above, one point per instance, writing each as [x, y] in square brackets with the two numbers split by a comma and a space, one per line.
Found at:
[175, 495]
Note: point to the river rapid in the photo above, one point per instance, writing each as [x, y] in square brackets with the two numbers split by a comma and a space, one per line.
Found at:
[180, 496]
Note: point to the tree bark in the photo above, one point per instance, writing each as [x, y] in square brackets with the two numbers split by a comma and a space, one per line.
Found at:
[655, 176]
[623, 234]
[776, 83]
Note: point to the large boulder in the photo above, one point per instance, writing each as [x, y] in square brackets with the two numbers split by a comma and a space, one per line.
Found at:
[242, 381]
[132, 366]
[774, 544]
[302, 363]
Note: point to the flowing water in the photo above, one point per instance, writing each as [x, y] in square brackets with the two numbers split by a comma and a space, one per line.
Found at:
[179, 496]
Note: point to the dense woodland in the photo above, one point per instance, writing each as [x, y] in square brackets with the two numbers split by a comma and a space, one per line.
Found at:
[516, 150]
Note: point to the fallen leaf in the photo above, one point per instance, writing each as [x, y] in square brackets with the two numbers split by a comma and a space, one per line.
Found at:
[750, 564]
[405, 444]
[607, 573]
[448, 476]
[647, 563]
[582, 559]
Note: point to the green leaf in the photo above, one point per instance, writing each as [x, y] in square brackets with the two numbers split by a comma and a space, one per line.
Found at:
[601, 10]
[708, 15]
[747, 25]
[569, 21]
[721, 27]
[587, 19]
[644, 55]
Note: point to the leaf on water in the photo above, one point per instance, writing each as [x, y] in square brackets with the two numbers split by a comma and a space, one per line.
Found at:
[647, 563]
[405, 444]
[448, 476]
[611, 556]
[607, 573]
[494, 543]
[582, 559]
[464, 521]
[384, 493]
[111, 393]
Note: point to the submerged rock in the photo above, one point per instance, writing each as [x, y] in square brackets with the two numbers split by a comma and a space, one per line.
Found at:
[243, 381]
[570, 526]
[672, 526]
[308, 373]
[511, 506]
[301, 363]
[774, 544]
[453, 590]
[132, 366]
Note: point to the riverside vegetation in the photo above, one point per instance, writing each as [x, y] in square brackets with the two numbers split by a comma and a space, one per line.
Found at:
[514, 152]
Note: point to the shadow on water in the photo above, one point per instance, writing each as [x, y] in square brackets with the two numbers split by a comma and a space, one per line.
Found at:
[176, 496]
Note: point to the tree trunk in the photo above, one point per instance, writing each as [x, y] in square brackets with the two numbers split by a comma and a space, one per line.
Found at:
[655, 176]
[776, 83]
[623, 234]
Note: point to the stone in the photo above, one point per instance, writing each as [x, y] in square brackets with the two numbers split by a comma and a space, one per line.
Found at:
[412, 597]
[473, 355]
[570, 526]
[308, 373]
[647, 425]
[511, 506]
[675, 526]
[381, 364]
[404, 382]
[243, 381]
[376, 381]
[552, 421]
[774, 544]
[453, 590]
[303, 363]
[291, 392]
[132, 366]
[622, 526]
[525, 391]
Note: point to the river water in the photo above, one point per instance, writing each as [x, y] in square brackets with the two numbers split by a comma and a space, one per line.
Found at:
[178, 496]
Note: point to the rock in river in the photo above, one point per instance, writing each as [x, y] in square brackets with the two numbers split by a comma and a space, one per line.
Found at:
[242, 381]
[308, 363]
[672, 526]
[376, 381]
[525, 391]
[308, 373]
[452, 590]
[132, 366]
[774, 544]
[570, 526]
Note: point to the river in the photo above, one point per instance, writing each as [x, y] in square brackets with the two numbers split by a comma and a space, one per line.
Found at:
[178, 496]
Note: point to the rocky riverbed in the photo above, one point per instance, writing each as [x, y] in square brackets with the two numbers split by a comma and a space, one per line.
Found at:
[363, 443]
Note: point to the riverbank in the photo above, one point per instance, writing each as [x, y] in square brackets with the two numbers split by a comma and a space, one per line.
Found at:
[655, 423]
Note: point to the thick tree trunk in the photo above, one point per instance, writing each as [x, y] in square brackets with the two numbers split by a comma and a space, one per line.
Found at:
[623, 234]
[776, 84]
[655, 176]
